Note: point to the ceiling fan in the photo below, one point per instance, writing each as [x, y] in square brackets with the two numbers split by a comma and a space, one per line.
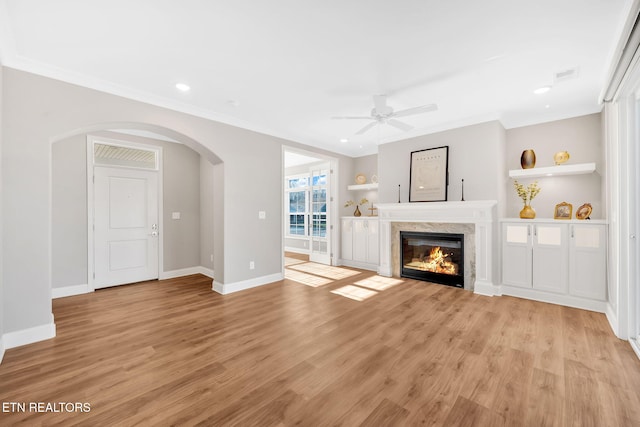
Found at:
[382, 113]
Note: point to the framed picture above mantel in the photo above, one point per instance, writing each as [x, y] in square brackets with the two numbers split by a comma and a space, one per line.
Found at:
[429, 175]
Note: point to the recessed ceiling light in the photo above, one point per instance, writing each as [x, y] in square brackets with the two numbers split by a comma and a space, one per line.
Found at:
[343, 140]
[182, 87]
[547, 106]
[541, 90]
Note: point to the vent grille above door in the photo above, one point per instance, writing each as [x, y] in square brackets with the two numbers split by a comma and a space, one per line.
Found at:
[114, 155]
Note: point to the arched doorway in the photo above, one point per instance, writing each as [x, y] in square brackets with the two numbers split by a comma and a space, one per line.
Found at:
[186, 239]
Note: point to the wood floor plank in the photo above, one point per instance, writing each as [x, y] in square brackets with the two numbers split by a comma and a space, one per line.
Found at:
[175, 353]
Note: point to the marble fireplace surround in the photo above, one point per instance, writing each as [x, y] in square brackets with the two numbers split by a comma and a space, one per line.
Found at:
[475, 219]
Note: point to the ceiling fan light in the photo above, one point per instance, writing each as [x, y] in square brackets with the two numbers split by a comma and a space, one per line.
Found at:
[542, 89]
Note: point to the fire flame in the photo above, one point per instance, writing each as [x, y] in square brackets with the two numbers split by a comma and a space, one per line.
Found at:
[438, 263]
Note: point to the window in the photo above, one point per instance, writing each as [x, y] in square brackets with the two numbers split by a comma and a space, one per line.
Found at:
[306, 205]
[297, 206]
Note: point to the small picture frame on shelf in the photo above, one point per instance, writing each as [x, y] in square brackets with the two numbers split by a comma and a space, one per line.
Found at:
[563, 210]
[584, 211]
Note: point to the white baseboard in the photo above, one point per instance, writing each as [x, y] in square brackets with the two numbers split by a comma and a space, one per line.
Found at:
[612, 317]
[359, 264]
[67, 291]
[172, 274]
[635, 345]
[485, 288]
[302, 251]
[566, 300]
[207, 272]
[227, 288]
[29, 336]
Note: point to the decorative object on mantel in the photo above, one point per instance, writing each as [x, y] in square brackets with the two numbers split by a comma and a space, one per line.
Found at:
[373, 211]
[351, 203]
[561, 157]
[528, 159]
[429, 176]
[361, 179]
[527, 194]
[374, 179]
[462, 200]
[584, 211]
[563, 211]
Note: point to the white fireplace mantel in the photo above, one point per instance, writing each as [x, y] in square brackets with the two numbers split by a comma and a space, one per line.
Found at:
[483, 214]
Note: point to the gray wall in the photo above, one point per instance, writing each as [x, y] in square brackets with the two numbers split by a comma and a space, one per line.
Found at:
[2, 311]
[39, 110]
[476, 154]
[582, 138]
[181, 193]
[69, 212]
[206, 213]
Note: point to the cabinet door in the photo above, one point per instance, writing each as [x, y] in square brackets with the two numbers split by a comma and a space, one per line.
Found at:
[550, 257]
[360, 240]
[347, 239]
[373, 246]
[516, 254]
[587, 261]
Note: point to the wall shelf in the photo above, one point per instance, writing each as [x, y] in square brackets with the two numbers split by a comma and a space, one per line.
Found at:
[577, 169]
[355, 187]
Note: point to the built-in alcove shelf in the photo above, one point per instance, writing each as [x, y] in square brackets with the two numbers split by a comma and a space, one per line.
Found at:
[577, 169]
[355, 187]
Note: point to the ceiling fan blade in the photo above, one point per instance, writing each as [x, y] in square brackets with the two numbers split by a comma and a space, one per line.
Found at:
[352, 118]
[366, 128]
[398, 124]
[380, 102]
[416, 110]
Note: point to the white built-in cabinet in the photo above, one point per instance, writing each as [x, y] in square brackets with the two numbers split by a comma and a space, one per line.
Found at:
[360, 242]
[554, 261]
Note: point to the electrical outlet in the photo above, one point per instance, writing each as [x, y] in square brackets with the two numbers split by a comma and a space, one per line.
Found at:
[211, 257]
[252, 265]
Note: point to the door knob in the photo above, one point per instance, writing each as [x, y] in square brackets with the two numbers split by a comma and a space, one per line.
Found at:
[154, 233]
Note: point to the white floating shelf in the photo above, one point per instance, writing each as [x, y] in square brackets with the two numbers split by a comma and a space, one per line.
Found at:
[354, 187]
[577, 169]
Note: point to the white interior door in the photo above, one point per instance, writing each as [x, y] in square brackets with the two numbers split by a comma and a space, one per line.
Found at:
[125, 226]
[320, 221]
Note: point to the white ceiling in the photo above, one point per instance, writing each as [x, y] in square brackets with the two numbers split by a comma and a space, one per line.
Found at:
[285, 67]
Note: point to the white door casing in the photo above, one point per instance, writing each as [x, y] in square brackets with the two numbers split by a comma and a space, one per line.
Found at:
[126, 226]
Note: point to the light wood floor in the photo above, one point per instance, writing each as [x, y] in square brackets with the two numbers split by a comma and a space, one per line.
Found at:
[175, 353]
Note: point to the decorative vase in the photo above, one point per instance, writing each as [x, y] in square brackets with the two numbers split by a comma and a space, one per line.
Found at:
[527, 212]
[358, 213]
[528, 159]
[561, 157]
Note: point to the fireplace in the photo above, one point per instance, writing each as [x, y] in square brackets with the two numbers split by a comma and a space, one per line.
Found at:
[433, 257]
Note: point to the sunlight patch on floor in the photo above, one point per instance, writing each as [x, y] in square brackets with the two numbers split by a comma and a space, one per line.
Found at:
[328, 271]
[378, 283]
[354, 292]
[292, 261]
[306, 279]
